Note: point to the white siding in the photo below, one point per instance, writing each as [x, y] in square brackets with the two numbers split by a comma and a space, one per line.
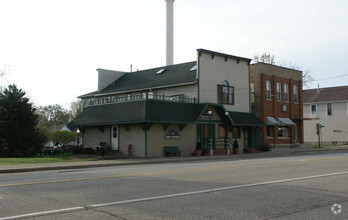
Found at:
[336, 126]
[213, 72]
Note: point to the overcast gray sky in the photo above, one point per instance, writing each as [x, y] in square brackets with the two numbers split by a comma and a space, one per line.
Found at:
[53, 47]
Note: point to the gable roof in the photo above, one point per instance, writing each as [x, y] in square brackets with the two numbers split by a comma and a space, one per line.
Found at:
[172, 75]
[339, 93]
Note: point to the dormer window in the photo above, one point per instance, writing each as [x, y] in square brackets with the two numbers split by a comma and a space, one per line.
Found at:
[160, 71]
[194, 68]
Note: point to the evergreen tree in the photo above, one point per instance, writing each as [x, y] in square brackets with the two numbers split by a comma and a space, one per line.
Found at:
[19, 135]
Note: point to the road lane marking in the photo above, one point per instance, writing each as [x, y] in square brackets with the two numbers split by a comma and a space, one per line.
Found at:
[168, 172]
[36, 214]
[80, 208]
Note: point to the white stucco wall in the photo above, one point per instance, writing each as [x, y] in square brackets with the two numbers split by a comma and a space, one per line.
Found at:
[92, 136]
[135, 136]
[213, 72]
[336, 126]
[156, 140]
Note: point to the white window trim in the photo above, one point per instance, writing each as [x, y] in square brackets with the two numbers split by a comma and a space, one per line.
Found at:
[270, 89]
[279, 91]
[332, 109]
[295, 92]
[286, 91]
[310, 111]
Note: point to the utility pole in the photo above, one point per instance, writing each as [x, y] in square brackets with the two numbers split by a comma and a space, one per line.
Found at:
[319, 126]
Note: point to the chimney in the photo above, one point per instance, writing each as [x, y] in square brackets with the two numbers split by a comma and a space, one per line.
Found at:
[318, 89]
[169, 33]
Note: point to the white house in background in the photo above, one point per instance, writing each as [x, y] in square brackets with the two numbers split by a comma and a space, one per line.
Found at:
[328, 107]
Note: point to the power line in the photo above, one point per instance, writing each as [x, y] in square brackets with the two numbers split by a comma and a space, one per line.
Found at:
[333, 77]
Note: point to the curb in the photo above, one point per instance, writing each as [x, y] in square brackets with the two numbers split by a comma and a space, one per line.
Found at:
[151, 161]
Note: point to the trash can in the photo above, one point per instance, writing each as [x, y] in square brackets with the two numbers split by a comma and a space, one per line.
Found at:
[128, 150]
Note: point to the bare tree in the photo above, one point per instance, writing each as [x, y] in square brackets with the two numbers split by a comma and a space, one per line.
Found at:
[4, 70]
[264, 58]
[270, 59]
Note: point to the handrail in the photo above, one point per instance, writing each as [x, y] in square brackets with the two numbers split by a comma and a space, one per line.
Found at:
[129, 98]
[225, 142]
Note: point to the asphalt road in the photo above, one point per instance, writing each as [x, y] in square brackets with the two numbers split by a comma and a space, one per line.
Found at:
[290, 187]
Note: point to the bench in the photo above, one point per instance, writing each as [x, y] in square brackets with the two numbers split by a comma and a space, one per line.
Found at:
[172, 150]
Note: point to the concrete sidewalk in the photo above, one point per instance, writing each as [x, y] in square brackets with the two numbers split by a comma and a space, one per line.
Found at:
[138, 161]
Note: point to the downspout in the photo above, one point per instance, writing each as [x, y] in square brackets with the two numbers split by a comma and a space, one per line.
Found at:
[249, 87]
[198, 75]
[145, 141]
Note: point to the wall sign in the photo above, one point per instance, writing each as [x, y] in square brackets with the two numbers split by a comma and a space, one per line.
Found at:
[172, 134]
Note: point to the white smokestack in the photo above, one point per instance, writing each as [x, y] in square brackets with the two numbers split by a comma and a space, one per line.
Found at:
[169, 33]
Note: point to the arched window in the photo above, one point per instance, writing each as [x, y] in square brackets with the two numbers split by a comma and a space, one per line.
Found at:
[225, 93]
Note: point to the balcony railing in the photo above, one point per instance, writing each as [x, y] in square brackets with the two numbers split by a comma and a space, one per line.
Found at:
[130, 98]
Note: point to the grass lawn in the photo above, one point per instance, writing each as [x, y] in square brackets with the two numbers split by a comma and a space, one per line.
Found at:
[67, 157]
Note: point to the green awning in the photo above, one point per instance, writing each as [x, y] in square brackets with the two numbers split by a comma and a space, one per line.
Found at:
[156, 111]
[245, 119]
[138, 112]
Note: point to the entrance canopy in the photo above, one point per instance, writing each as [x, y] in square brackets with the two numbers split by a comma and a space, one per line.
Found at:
[286, 122]
[245, 119]
[271, 121]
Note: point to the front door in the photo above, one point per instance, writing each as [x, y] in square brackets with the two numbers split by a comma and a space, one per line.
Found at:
[203, 135]
[114, 137]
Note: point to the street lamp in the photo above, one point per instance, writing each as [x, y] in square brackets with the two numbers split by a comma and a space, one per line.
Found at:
[78, 137]
[210, 142]
[226, 136]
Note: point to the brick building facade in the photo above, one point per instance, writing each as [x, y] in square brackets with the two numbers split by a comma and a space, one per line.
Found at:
[276, 98]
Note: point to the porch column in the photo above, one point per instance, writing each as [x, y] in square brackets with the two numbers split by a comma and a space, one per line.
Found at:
[226, 144]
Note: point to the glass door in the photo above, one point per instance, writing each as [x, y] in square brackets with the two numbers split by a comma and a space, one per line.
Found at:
[203, 135]
[114, 137]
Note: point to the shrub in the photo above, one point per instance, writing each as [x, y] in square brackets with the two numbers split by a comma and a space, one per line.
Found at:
[235, 144]
[265, 147]
[63, 137]
[84, 151]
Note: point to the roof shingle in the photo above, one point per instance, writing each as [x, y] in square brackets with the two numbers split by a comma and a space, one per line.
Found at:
[339, 93]
[173, 75]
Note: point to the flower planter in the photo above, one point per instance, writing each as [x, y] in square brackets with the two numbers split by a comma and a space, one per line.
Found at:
[197, 152]
[235, 150]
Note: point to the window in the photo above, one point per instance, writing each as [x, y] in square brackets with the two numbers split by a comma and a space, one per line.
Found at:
[114, 132]
[236, 132]
[279, 91]
[194, 68]
[270, 129]
[283, 131]
[286, 92]
[252, 92]
[222, 131]
[295, 93]
[268, 89]
[314, 111]
[160, 71]
[225, 93]
[329, 109]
